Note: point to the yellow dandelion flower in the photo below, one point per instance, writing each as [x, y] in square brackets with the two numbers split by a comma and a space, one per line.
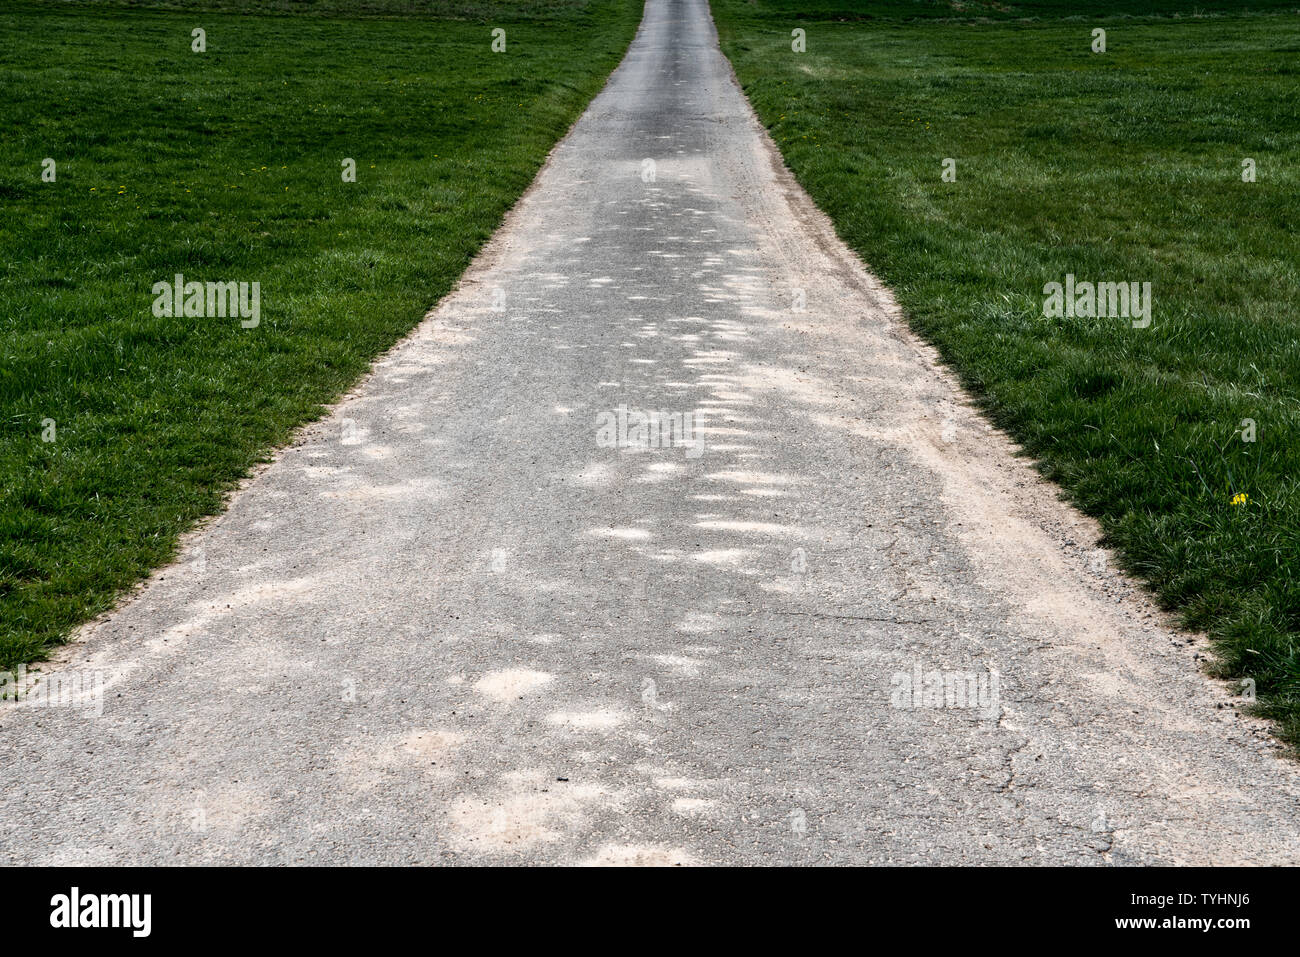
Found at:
[1241, 498]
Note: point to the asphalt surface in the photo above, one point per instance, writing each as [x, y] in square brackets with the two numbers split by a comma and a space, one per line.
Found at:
[461, 621]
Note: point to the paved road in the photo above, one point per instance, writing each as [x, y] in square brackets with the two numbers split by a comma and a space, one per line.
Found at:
[467, 619]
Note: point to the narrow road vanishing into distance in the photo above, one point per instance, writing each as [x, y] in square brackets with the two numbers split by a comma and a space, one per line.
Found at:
[484, 612]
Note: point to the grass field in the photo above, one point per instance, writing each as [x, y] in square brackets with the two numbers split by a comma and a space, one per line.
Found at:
[1125, 165]
[118, 429]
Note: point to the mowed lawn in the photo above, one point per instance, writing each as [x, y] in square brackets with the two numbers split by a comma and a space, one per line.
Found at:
[119, 429]
[1125, 165]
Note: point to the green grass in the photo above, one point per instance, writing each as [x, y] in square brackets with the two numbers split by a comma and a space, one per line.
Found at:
[224, 166]
[558, 13]
[770, 12]
[1117, 166]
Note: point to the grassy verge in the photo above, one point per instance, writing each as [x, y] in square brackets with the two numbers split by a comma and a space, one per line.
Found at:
[119, 429]
[1125, 165]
